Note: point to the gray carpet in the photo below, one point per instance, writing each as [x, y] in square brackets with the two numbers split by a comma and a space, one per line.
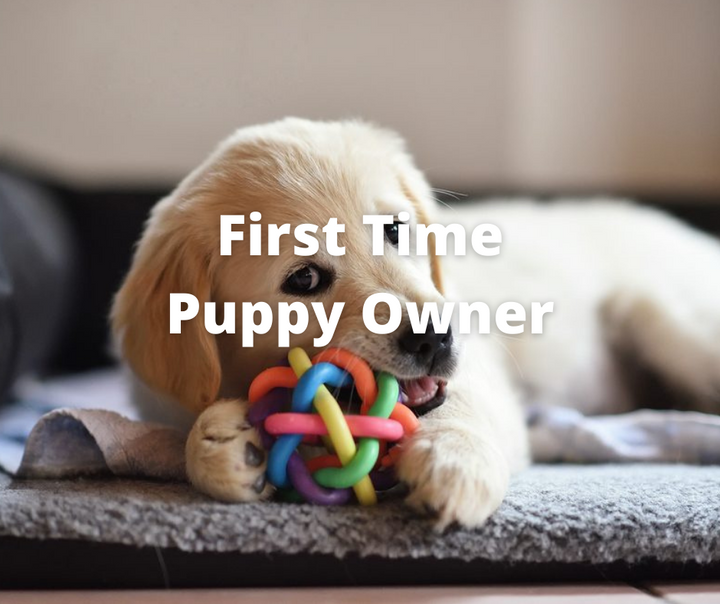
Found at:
[564, 514]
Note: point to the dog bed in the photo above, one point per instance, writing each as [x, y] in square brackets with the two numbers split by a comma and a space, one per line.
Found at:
[595, 521]
[631, 521]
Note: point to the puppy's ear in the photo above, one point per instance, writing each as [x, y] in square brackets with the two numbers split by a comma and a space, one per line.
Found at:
[435, 266]
[185, 366]
[414, 186]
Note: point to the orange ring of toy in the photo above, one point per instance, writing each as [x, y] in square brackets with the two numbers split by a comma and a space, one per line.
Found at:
[274, 377]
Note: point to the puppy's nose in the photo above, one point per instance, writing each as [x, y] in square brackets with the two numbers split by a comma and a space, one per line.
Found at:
[425, 346]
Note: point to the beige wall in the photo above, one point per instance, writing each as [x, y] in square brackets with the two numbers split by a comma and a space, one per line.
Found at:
[532, 93]
[619, 93]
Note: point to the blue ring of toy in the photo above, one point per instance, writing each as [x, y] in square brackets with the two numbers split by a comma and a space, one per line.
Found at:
[302, 400]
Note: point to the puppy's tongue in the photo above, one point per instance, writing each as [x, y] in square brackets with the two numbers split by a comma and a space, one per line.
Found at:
[418, 391]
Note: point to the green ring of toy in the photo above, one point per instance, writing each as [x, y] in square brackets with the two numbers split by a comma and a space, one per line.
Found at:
[368, 449]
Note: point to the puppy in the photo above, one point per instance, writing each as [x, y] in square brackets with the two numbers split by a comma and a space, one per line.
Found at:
[622, 279]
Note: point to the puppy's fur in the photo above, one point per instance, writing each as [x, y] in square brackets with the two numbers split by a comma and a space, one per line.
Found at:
[622, 278]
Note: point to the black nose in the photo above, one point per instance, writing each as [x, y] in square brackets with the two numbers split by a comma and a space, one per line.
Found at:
[425, 346]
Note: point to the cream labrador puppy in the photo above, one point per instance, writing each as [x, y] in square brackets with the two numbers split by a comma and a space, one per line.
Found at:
[626, 282]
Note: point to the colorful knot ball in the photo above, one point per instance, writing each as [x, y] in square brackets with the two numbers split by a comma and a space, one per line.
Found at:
[292, 405]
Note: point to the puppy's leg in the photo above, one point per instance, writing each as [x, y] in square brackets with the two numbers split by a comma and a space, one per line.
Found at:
[676, 336]
[223, 454]
[664, 306]
[459, 462]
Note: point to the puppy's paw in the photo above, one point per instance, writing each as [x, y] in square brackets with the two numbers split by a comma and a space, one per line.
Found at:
[223, 454]
[454, 473]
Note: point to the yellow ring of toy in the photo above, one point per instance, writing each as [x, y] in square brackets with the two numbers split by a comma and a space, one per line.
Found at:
[338, 430]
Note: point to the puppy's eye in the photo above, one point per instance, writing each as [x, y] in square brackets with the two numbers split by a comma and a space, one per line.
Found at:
[310, 279]
[392, 233]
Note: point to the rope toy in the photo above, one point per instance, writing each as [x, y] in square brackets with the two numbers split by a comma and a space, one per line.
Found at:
[360, 456]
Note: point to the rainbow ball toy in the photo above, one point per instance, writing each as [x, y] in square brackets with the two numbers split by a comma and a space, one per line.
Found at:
[292, 405]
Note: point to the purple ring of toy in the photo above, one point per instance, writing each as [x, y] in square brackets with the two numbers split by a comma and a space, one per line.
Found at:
[273, 402]
[383, 480]
[304, 483]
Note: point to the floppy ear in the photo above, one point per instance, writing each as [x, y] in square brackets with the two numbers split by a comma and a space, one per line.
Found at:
[435, 266]
[414, 195]
[185, 366]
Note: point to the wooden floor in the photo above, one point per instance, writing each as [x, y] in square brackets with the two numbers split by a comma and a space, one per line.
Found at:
[707, 593]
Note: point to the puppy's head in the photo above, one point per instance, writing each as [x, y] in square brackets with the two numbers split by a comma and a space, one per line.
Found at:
[295, 172]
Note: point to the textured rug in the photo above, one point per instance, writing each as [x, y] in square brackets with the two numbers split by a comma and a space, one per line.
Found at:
[565, 514]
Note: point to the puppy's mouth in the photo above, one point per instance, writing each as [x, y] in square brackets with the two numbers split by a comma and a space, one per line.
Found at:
[423, 394]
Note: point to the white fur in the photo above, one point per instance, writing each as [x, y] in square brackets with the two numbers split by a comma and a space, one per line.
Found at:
[619, 275]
